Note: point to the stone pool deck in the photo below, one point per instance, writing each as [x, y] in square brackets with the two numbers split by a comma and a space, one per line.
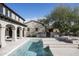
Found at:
[10, 45]
[58, 48]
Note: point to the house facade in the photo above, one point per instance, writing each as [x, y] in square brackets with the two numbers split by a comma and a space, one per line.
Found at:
[11, 25]
[34, 27]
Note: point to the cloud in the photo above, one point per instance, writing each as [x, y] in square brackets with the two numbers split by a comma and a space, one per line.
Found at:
[35, 18]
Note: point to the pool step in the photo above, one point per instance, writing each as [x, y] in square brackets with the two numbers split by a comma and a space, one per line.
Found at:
[54, 42]
[61, 45]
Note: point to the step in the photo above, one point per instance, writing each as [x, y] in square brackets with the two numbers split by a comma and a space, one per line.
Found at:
[61, 45]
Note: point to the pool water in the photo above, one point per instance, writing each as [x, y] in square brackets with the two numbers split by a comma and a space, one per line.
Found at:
[32, 48]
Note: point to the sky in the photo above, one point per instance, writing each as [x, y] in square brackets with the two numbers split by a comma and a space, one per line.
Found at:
[34, 11]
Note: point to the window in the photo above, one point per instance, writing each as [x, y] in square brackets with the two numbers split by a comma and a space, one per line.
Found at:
[1, 9]
[6, 12]
[10, 14]
[36, 29]
[28, 29]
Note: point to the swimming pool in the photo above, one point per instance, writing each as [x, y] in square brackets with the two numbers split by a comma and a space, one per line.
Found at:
[32, 48]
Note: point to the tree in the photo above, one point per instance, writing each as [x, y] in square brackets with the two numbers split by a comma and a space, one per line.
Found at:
[60, 13]
[61, 26]
[63, 17]
[75, 28]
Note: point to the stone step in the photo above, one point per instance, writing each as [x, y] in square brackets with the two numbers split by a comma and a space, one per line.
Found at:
[61, 45]
[55, 42]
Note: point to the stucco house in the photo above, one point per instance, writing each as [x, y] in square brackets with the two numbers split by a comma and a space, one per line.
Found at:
[34, 27]
[12, 25]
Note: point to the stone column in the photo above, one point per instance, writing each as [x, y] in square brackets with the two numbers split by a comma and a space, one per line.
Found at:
[2, 36]
[25, 33]
[21, 33]
[14, 34]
